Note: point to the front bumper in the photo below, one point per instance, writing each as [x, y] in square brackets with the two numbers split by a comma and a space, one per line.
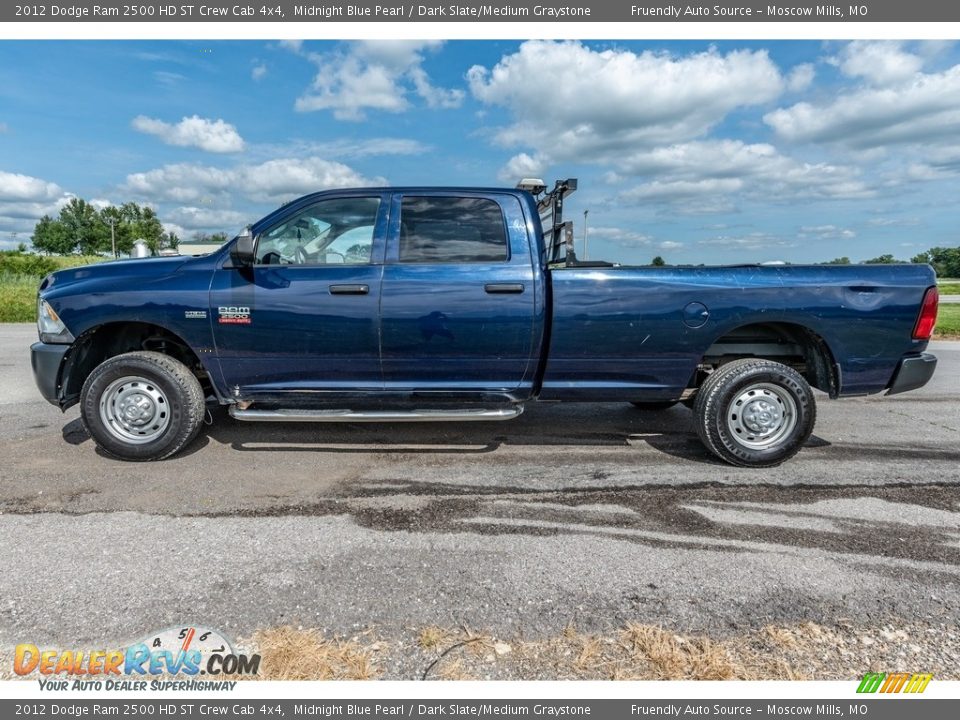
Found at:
[46, 360]
[912, 373]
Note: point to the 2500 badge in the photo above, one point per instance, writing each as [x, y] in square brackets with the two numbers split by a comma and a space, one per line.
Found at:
[233, 315]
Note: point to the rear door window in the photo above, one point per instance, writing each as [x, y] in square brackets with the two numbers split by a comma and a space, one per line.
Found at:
[451, 230]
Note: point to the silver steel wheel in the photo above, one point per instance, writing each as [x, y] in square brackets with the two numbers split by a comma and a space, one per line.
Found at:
[761, 415]
[134, 410]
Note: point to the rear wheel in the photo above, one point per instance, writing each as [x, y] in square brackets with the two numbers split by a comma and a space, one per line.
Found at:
[755, 412]
[142, 406]
[654, 406]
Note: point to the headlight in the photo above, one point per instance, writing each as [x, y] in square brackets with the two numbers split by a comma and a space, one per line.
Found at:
[51, 327]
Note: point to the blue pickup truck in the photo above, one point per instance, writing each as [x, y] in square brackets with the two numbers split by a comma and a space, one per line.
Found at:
[422, 303]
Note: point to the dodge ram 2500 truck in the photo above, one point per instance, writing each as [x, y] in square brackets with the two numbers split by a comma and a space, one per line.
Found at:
[423, 303]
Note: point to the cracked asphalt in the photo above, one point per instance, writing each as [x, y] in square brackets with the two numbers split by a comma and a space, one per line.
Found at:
[586, 514]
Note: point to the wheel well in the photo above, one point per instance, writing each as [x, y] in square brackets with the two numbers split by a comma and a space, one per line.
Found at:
[107, 341]
[793, 345]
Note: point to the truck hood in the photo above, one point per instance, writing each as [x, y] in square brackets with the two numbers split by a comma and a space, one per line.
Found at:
[146, 268]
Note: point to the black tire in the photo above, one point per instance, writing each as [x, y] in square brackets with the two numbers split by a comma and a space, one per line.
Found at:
[654, 406]
[170, 395]
[770, 393]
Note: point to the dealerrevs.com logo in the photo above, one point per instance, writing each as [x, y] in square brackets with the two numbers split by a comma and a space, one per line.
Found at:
[184, 652]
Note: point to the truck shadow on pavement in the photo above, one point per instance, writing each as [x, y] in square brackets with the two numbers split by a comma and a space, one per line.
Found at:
[669, 432]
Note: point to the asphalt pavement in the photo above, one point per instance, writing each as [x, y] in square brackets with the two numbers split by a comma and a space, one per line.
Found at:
[584, 514]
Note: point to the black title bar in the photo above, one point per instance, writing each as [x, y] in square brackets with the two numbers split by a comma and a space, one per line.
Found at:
[641, 11]
[186, 707]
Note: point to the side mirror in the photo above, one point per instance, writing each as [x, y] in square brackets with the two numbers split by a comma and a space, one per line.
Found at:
[243, 249]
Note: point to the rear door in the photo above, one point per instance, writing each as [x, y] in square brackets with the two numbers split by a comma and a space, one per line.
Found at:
[305, 317]
[458, 301]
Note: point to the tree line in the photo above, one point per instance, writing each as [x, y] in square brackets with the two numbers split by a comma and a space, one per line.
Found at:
[946, 261]
[82, 228]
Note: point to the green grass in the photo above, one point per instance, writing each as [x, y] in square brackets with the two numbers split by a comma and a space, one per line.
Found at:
[18, 298]
[948, 322]
[18, 292]
[950, 287]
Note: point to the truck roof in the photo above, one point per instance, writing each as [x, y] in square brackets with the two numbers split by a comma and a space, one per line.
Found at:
[403, 189]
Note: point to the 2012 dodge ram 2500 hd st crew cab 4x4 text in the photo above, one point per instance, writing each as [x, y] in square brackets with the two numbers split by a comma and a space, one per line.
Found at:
[410, 304]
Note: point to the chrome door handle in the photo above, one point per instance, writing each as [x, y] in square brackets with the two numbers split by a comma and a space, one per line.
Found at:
[349, 289]
[503, 288]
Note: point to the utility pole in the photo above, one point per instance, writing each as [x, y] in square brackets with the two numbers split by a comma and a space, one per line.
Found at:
[585, 234]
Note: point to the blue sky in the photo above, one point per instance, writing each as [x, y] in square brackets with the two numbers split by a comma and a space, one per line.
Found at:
[717, 152]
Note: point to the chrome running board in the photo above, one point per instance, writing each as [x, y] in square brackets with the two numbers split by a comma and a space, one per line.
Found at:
[507, 413]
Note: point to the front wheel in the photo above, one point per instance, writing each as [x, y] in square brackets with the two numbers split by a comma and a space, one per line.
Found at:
[755, 412]
[142, 406]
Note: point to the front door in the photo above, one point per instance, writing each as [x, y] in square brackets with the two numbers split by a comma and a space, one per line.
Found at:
[305, 317]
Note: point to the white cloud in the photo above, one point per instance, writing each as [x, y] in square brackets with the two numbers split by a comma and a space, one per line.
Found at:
[893, 222]
[173, 228]
[922, 109]
[275, 180]
[283, 179]
[937, 164]
[619, 236]
[259, 72]
[188, 218]
[434, 96]
[25, 199]
[713, 169]
[18, 187]
[826, 232]
[880, 63]
[168, 78]
[750, 241]
[519, 167]
[343, 148]
[572, 103]
[372, 75]
[182, 182]
[671, 190]
[670, 245]
[211, 135]
[801, 77]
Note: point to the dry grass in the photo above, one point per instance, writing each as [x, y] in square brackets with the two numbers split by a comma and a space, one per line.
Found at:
[654, 651]
[289, 653]
[433, 637]
[635, 652]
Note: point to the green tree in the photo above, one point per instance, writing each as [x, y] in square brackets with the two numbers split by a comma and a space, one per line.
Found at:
[839, 261]
[84, 226]
[658, 261]
[946, 261]
[50, 236]
[881, 260]
[81, 227]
